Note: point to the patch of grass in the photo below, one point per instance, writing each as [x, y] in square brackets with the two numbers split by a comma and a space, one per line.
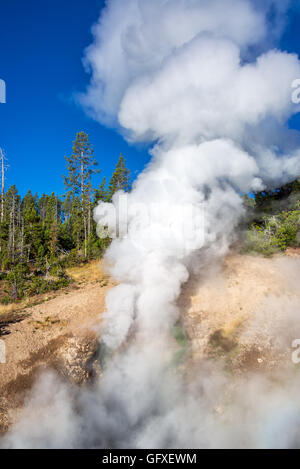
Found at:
[47, 322]
[9, 318]
[180, 335]
[12, 307]
[181, 338]
[90, 272]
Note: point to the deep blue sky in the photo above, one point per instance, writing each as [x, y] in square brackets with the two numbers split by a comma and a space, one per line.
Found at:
[41, 46]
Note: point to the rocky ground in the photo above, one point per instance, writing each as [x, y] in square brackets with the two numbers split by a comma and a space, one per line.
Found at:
[244, 313]
[58, 332]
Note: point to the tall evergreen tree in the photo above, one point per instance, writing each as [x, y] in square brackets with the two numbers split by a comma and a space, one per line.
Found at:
[120, 179]
[40, 236]
[101, 194]
[81, 165]
[33, 233]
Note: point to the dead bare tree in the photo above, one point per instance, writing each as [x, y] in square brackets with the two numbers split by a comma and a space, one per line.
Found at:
[2, 182]
[12, 230]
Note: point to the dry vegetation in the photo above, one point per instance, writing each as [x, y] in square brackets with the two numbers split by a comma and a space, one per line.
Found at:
[55, 331]
[90, 272]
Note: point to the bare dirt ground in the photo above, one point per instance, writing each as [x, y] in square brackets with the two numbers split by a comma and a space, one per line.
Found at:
[56, 332]
[245, 312]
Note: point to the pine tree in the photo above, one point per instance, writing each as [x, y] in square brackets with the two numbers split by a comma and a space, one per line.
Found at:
[120, 179]
[11, 222]
[33, 232]
[52, 220]
[42, 207]
[101, 194]
[40, 236]
[3, 169]
[81, 165]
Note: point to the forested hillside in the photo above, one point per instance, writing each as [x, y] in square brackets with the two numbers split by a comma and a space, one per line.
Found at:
[41, 236]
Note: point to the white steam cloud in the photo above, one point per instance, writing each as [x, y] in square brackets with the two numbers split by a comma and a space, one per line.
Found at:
[199, 79]
[175, 72]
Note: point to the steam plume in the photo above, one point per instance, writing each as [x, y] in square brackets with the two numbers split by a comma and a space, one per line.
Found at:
[176, 73]
[200, 80]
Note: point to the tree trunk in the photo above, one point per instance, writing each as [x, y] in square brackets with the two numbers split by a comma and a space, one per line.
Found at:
[85, 237]
[83, 207]
[2, 184]
[22, 239]
[14, 290]
[13, 231]
[89, 223]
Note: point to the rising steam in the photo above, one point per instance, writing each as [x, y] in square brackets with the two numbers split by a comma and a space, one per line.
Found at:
[176, 73]
[202, 82]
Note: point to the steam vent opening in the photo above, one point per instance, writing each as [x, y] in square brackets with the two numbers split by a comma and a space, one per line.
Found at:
[149, 299]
